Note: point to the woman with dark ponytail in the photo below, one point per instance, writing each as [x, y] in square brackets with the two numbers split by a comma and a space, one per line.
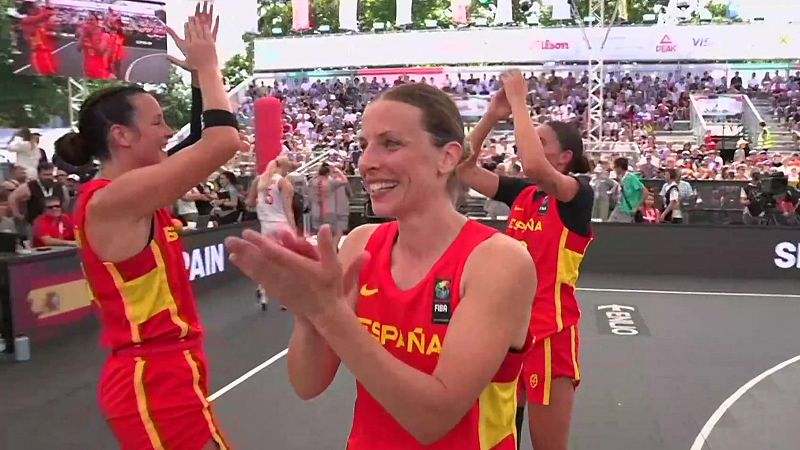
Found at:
[551, 215]
[154, 386]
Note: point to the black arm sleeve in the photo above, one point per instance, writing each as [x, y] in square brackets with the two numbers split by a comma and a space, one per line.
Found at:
[509, 188]
[577, 213]
[195, 125]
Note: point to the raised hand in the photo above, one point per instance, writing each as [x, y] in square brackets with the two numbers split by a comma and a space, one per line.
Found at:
[499, 108]
[514, 86]
[197, 45]
[205, 17]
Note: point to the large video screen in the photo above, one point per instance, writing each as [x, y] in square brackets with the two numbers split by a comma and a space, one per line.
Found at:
[97, 39]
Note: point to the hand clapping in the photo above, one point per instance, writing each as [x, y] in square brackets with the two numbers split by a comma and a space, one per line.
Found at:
[307, 279]
[514, 85]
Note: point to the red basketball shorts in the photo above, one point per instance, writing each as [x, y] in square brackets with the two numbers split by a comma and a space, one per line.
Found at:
[44, 62]
[158, 401]
[553, 357]
[96, 68]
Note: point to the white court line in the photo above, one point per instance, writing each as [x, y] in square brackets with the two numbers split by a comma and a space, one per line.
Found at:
[280, 355]
[700, 441]
[18, 71]
[130, 68]
[249, 374]
[690, 293]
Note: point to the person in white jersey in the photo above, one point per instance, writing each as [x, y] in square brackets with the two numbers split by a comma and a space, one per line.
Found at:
[272, 199]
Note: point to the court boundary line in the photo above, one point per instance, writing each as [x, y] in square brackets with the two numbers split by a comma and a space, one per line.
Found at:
[700, 440]
[28, 66]
[227, 388]
[688, 293]
[133, 63]
[248, 375]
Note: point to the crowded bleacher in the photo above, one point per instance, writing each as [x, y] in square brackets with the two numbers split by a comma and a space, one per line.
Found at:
[322, 119]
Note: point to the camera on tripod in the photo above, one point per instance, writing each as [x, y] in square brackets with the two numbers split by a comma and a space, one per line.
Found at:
[774, 184]
[774, 187]
[773, 191]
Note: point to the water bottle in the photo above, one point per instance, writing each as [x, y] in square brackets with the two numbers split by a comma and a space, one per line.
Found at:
[22, 349]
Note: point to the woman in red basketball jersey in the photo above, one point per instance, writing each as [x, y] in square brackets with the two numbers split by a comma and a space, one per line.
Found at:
[117, 47]
[96, 46]
[38, 29]
[154, 385]
[552, 218]
[435, 326]
[116, 51]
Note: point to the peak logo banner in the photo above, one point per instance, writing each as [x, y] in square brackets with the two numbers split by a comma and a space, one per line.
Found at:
[666, 45]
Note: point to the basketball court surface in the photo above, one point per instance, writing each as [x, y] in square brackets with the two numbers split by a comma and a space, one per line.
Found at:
[667, 364]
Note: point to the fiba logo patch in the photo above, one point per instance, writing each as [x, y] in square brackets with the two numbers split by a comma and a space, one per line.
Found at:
[545, 205]
[442, 290]
[442, 309]
[534, 381]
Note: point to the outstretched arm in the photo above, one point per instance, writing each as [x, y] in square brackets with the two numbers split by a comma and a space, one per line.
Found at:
[531, 152]
[195, 124]
[138, 193]
[470, 173]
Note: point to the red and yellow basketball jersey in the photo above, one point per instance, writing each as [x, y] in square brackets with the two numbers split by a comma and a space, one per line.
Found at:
[557, 252]
[147, 298]
[412, 325]
[42, 39]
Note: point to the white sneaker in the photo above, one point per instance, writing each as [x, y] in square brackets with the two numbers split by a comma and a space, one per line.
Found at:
[262, 299]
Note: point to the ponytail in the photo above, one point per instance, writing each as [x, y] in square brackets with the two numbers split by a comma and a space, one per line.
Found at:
[580, 165]
[265, 180]
[569, 138]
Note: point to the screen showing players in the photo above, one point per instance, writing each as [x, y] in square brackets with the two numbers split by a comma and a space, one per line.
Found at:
[97, 39]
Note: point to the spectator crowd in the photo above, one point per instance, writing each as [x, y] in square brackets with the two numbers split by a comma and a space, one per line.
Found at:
[324, 115]
[655, 182]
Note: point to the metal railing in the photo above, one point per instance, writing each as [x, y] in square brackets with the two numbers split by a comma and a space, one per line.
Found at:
[314, 163]
[751, 119]
[699, 125]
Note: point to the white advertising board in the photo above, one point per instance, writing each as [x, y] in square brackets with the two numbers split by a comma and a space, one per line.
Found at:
[742, 42]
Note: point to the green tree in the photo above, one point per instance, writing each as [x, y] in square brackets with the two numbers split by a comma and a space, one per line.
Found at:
[240, 67]
[636, 9]
[326, 12]
[175, 97]
[720, 11]
[372, 11]
[272, 10]
[437, 10]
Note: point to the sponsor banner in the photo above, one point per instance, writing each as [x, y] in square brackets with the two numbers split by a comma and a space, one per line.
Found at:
[48, 292]
[702, 251]
[787, 256]
[529, 45]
